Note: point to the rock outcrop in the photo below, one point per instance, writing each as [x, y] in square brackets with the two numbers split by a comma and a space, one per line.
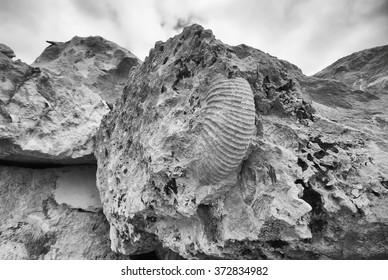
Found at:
[180, 164]
[50, 111]
[52, 214]
[49, 114]
[7, 51]
[363, 70]
[210, 151]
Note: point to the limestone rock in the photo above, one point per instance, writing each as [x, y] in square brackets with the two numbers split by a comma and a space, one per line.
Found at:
[311, 183]
[43, 218]
[50, 111]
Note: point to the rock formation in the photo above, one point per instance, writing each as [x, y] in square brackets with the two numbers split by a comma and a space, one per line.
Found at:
[50, 111]
[43, 219]
[205, 151]
[7, 51]
[363, 70]
[304, 176]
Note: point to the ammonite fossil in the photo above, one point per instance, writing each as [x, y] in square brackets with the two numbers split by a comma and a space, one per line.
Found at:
[228, 125]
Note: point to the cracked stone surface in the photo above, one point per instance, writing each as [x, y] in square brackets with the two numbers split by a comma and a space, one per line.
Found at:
[36, 225]
[50, 111]
[312, 183]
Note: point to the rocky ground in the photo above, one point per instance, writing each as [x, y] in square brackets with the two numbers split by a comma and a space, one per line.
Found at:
[211, 151]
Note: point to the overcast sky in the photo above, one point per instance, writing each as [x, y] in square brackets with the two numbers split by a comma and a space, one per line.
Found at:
[309, 33]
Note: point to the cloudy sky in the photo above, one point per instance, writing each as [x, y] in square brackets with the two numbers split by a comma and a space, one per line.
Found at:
[309, 33]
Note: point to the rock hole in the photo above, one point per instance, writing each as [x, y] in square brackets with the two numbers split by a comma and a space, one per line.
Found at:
[272, 173]
[151, 219]
[302, 164]
[209, 222]
[375, 193]
[171, 186]
[146, 256]
[212, 61]
[320, 154]
[312, 197]
[246, 252]
[198, 33]
[184, 73]
[300, 181]
[318, 217]
[277, 243]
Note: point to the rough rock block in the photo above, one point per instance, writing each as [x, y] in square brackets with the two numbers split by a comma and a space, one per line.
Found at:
[182, 159]
[40, 219]
[7, 51]
[50, 111]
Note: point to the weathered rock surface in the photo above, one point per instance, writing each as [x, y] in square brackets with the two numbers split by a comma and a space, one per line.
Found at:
[7, 51]
[312, 181]
[50, 111]
[52, 214]
[363, 70]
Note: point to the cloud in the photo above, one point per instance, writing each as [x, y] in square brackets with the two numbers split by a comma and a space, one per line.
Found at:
[382, 9]
[11, 8]
[340, 29]
[183, 22]
[98, 9]
[309, 33]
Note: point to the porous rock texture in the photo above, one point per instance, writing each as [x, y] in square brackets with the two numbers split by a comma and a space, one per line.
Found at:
[38, 220]
[50, 111]
[312, 179]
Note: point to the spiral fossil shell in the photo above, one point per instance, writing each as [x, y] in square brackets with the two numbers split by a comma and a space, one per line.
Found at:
[228, 126]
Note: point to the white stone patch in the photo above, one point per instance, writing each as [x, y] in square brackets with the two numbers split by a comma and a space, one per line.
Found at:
[76, 187]
[5, 85]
